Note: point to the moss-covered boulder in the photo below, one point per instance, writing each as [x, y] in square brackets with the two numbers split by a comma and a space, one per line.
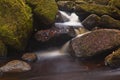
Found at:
[44, 11]
[15, 23]
[98, 9]
[115, 3]
[109, 22]
[95, 43]
[113, 59]
[3, 49]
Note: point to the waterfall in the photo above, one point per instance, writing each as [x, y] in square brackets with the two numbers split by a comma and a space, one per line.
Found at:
[70, 21]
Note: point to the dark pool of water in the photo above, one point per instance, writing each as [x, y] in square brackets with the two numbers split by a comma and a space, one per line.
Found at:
[64, 67]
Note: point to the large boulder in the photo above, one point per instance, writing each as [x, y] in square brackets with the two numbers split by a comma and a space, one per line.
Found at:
[15, 23]
[44, 11]
[95, 43]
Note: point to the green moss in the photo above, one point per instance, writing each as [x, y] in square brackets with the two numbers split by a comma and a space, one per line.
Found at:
[45, 10]
[98, 9]
[115, 3]
[15, 23]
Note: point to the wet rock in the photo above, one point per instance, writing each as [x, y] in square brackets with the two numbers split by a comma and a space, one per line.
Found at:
[109, 22]
[44, 11]
[95, 43]
[15, 23]
[113, 59]
[45, 35]
[15, 66]
[91, 21]
[30, 57]
[3, 49]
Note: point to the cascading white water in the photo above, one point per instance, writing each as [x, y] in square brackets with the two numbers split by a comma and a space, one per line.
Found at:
[71, 20]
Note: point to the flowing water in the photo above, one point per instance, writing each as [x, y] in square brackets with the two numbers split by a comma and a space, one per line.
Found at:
[57, 64]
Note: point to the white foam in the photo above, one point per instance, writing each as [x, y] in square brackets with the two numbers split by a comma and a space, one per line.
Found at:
[69, 21]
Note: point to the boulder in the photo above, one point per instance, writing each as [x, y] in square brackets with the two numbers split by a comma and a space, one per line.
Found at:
[15, 23]
[91, 21]
[95, 43]
[113, 60]
[109, 22]
[30, 57]
[54, 33]
[15, 66]
[44, 11]
[3, 49]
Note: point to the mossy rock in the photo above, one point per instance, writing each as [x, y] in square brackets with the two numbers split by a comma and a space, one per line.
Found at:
[44, 10]
[113, 59]
[15, 23]
[3, 49]
[98, 9]
[115, 3]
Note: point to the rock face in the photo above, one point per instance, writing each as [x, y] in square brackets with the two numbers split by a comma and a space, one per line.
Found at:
[113, 59]
[15, 66]
[15, 23]
[3, 49]
[29, 57]
[95, 43]
[44, 11]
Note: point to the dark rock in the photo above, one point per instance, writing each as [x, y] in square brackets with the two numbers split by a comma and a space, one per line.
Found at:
[109, 22]
[45, 35]
[66, 5]
[113, 60]
[15, 66]
[95, 43]
[30, 57]
[91, 21]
